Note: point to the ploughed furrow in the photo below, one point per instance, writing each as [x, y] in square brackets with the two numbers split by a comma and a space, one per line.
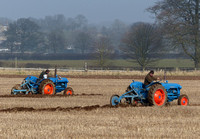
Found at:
[78, 108]
[49, 96]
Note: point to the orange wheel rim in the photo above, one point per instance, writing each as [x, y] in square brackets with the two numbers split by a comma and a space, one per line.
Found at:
[159, 97]
[184, 101]
[69, 92]
[48, 89]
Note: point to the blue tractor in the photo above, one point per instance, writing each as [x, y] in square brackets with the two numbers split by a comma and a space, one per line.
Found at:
[156, 93]
[50, 86]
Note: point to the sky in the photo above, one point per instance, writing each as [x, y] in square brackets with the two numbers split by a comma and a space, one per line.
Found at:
[96, 11]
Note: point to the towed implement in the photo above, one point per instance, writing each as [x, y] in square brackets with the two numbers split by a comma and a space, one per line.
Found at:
[156, 93]
[50, 86]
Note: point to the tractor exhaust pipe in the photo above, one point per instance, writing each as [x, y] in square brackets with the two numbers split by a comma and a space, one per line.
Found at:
[165, 76]
[55, 73]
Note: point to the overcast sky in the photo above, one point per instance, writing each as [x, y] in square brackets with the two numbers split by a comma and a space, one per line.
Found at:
[96, 11]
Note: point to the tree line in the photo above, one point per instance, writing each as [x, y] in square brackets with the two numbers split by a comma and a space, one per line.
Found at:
[175, 30]
[56, 34]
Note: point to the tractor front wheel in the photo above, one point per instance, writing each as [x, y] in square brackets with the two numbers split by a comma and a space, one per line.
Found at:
[47, 87]
[157, 95]
[183, 100]
[114, 100]
[68, 91]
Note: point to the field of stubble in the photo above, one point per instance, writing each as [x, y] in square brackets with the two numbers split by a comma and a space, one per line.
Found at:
[70, 117]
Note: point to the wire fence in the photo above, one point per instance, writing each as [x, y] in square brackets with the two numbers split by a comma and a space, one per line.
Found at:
[103, 69]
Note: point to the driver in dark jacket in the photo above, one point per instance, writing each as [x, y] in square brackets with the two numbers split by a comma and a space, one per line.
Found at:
[150, 78]
[44, 74]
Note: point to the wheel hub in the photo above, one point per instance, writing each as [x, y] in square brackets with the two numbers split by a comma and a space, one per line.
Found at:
[159, 97]
[184, 101]
[48, 89]
[69, 92]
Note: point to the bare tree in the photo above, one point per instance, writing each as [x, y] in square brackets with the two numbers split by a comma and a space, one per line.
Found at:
[117, 31]
[83, 41]
[103, 50]
[22, 35]
[180, 19]
[56, 40]
[141, 41]
[81, 20]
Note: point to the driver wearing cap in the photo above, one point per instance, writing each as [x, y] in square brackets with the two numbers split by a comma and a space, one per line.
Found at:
[150, 78]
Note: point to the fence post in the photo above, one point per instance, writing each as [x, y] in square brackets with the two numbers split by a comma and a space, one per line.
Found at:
[85, 67]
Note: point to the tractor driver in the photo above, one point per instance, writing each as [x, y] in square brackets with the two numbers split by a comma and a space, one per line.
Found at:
[150, 78]
[44, 74]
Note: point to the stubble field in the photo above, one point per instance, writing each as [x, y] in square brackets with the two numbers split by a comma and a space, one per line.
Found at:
[88, 115]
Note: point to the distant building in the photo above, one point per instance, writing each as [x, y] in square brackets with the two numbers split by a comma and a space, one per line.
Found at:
[3, 28]
[4, 50]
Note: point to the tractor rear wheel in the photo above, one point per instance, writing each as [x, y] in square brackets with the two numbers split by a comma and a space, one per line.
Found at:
[157, 95]
[68, 91]
[183, 100]
[114, 100]
[16, 87]
[47, 87]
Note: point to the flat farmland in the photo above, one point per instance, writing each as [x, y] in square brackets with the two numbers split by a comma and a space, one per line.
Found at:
[87, 114]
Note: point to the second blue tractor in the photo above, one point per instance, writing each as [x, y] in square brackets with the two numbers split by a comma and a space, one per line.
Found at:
[50, 86]
[156, 93]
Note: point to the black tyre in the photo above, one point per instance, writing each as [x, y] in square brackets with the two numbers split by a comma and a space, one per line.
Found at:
[47, 87]
[68, 91]
[183, 100]
[157, 95]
